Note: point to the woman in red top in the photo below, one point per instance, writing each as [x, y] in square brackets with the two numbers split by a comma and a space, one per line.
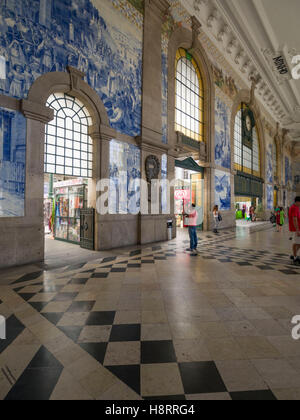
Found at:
[294, 216]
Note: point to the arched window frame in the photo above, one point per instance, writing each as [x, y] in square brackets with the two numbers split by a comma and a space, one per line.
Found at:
[246, 160]
[189, 97]
[68, 146]
[275, 159]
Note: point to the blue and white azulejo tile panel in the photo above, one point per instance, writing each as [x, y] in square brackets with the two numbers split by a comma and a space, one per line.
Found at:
[270, 164]
[102, 38]
[125, 178]
[223, 190]
[222, 135]
[270, 197]
[12, 163]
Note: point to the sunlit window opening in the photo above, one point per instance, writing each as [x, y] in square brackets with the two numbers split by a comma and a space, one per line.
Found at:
[245, 159]
[68, 147]
[189, 118]
[275, 159]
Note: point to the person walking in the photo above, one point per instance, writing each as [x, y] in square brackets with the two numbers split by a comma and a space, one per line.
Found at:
[282, 219]
[192, 222]
[217, 218]
[294, 222]
[277, 215]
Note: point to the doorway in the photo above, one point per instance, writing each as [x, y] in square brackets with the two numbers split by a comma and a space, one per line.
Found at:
[68, 171]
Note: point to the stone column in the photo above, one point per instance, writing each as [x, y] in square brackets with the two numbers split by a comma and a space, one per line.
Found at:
[31, 242]
[155, 11]
[152, 228]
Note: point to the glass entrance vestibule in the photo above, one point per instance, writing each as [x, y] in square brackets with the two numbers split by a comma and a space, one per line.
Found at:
[189, 189]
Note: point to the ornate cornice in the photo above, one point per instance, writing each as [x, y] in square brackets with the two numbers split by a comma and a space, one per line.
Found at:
[159, 7]
[36, 112]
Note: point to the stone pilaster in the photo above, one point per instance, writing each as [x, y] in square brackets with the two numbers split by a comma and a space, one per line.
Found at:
[155, 10]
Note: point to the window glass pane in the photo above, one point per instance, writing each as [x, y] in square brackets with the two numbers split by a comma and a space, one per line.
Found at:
[188, 101]
[70, 115]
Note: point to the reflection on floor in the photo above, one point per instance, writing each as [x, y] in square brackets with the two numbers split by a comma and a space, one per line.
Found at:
[156, 323]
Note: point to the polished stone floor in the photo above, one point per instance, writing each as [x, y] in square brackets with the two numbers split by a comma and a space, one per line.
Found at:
[156, 323]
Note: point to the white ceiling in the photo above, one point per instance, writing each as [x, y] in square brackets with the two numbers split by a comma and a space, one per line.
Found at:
[251, 33]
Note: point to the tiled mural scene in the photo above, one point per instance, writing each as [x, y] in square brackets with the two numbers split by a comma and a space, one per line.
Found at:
[12, 163]
[149, 202]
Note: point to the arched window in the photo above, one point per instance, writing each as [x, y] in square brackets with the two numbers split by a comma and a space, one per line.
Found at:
[189, 118]
[275, 159]
[68, 147]
[246, 157]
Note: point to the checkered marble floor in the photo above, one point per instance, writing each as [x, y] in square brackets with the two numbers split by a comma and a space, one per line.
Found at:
[156, 323]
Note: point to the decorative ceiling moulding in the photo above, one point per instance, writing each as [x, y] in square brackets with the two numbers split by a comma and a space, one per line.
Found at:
[221, 29]
[196, 28]
[159, 7]
[278, 62]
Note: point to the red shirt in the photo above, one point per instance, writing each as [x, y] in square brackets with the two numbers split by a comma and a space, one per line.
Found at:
[294, 212]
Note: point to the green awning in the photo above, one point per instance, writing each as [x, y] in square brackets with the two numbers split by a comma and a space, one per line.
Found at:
[189, 164]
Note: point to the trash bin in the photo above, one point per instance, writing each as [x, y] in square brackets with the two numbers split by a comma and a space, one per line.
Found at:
[170, 230]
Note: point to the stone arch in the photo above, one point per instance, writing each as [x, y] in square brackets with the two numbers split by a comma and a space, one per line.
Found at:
[245, 96]
[72, 83]
[184, 38]
[38, 114]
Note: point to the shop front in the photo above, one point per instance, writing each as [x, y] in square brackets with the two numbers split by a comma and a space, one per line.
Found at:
[189, 189]
[248, 193]
[70, 198]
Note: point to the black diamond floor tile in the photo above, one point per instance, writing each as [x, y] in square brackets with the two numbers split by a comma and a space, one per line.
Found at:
[101, 318]
[44, 359]
[96, 350]
[134, 253]
[54, 318]
[38, 306]
[79, 281]
[100, 275]
[125, 333]
[201, 378]
[27, 296]
[166, 398]
[253, 396]
[29, 277]
[130, 375]
[13, 329]
[72, 332]
[86, 306]
[35, 385]
[157, 352]
[108, 259]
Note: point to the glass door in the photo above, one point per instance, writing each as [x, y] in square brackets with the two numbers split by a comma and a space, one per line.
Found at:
[61, 213]
[68, 202]
[197, 189]
[76, 199]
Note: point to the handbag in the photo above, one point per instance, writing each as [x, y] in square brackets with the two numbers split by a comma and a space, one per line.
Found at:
[220, 218]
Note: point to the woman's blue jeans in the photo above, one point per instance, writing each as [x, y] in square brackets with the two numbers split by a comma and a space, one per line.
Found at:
[193, 237]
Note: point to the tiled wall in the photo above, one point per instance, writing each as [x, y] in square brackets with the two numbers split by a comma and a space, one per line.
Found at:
[223, 190]
[125, 174]
[222, 134]
[12, 163]
[103, 38]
